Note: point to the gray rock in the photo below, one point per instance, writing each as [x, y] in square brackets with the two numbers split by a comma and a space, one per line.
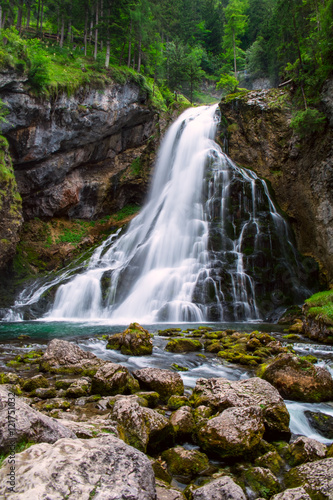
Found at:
[304, 449]
[112, 379]
[315, 477]
[62, 356]
[234, 432]
[104, 468]
[80, 387]
[182, 421]
[220, 393]
[164, 492]
[165, 382]
[29, 424]
[292, 494]
[141, 427]
[321, 422]
[223, 488]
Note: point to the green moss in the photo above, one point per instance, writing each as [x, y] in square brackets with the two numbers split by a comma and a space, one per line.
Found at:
[320, 306]
[183, 345]
[175, 402]
[179, 368]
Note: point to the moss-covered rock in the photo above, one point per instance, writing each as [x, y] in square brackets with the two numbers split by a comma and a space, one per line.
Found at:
[262, 481]
[297, 379]
[35, 382]
[166, 382]
[113, 379]
[79, 388]
[9, 378]
[182, 422]
[183, 345]
[185, 464]
[272, 461]
[175, 402]
[318, 322]
[306, 450]
[45, 392]
[315, 477]
[321, 422]
[134, 341]
[151, 397]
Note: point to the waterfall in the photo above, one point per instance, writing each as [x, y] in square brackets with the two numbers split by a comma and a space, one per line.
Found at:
[209, 243]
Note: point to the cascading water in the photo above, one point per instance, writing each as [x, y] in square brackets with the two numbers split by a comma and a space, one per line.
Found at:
[209, 244]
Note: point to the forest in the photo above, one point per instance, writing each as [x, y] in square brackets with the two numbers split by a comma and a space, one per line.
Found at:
[177, 44]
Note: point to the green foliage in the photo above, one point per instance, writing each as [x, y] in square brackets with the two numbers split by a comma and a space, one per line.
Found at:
[127, 211]
[3, 113]
[228, 84]
[308, 122]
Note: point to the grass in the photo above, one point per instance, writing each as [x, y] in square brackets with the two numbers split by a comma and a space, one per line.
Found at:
[320, 306]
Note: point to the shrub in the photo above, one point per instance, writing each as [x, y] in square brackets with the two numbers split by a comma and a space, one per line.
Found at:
[307, 122]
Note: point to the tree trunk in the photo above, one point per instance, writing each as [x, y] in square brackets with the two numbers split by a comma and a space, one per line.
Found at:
[27, 24]
[235, 61]
[85, 32]
[0, 17]
[122, 54]
[107, 59]
[129, 46]
[96, 32]
[101, 16]
[41, 16]
[62, 32]
[19, 16]
[38, 15]
[139, 55]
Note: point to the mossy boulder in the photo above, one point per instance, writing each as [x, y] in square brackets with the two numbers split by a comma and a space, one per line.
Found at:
[170, 332]
[315, 477]
[134, 341]
[262, 481]
[175, 402]
[304, 449]
[79, 388]
[297, 379]
[45, 392]
[219, 489]
[185, 464]
[151, 397]
[321, 422]
[234, 432]
[9, 378]
[166, 382]
[292, 494]
[272, 461]
[296, 327]
[113, 379]
[35, 382]
[183, 422]
[183, 345]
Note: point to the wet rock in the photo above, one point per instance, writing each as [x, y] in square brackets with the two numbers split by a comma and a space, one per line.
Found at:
[77, 469]
[175, 402]
[262, 481]
[45, 392]
[35, 382]
[20, 422]
[134, 341]
[113, 379]
[183, 345]
[143, 428]
[297, 379]
[292, 494]
[66, 357]
[160, 470]
[165, 382]
[272, 461]
[223, 488]
[296, 327]
[306, 450]
[9, 378]
[220, 393]
[163, 492]
[315, 477]
[79, 388]
[182, 421]
[234, 432]
[185, 464]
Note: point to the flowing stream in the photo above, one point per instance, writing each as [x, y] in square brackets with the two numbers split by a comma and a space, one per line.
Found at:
[209, 245]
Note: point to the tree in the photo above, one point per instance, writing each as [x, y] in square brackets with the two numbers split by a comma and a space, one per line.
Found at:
[235, 26]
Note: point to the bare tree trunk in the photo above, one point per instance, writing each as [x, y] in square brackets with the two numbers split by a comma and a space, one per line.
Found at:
[101, 16]
[19, 16]
[133, 66]
[139, 54]
[107, 59]
[0, 18]
[235, 61]
[62, 32]
[129, 46]
[96, 32]
[41, 16]
[27, 24]
[85, 32]
[38, 14]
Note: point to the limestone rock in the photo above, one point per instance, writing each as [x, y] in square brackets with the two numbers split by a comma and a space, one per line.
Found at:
[35, 382]
[220, 393]
[185, 464]
[164, 492]
[315, 477]
[183, 345]
[321, 422]
[298, 379]
[79, 388]
[262, 481]
[143, 428]
[234, 432]
[113, 379]
[105, 468]
[292, 494]
[305, 449]
[165, 382]
[223, 488]
[182, 421]
[30, 425]
[67, 357]
[134, 341]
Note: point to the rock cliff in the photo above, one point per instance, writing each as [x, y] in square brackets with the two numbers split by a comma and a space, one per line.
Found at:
[256, 133]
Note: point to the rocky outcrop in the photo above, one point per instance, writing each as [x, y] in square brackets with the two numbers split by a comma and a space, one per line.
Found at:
[298, 379]
[81, 469]
[20, 423]
[257, 135]
[78, 155]
[10, 206]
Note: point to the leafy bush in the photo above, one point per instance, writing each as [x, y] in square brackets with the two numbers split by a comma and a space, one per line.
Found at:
[307, 122]
[227, 83]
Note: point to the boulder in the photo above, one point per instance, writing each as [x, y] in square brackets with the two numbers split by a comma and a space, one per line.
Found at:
[20, 423]
[143, 428]
[262, 481]
[220, 393]
[164, 492]
[223, 488]
[185, 464]
[65, 357]
[298, 379]
[113, 379]
[315, 477]
[79, 388]
[292, 494]
[165, 382]
[305, 449]
[321, 422]
[134, 341]
[45, 392]
[183, 345]
[104, 468]
[175, 402]
[182, 421]
[35, 382]
[270, 460]
[234, 432]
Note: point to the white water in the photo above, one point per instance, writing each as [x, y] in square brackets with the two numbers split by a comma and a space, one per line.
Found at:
[162, 268]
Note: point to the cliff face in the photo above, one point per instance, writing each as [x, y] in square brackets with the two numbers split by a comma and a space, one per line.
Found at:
[10, 206]
[78, 156]
[256, 126]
